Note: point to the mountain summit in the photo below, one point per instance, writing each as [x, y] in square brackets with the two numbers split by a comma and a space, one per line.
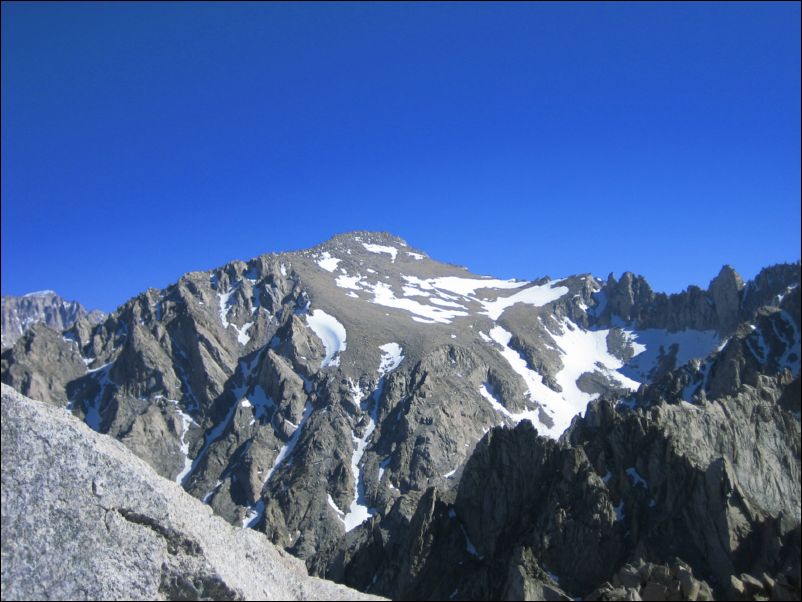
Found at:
[356, 400]
[41, 307]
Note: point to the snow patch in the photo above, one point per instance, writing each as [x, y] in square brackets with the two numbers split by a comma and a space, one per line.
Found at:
[411, 291]
[186, 422]
[649, 344]
[327, 262]
[537, 295]
[469, 547]
[581, 352]
[468, 286]
[391, 251]
[331, 332]
[333, 506]
[537, 392]
[242, 333]
[225, 304]
[636, 479]
[207, 498]
[351, 282]
[586, 351]
[260, 402]
[486, 390]
[392, 356]
[358, 511]
[383, 295]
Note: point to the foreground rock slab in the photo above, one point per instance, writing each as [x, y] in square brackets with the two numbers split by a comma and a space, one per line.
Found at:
[84, 518]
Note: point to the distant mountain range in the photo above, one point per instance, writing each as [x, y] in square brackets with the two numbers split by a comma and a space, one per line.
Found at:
[415, 431]
[42, 307]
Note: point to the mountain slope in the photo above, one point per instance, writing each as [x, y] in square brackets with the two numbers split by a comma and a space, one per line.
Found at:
[317, 394]
[46, 307]
[84, 518]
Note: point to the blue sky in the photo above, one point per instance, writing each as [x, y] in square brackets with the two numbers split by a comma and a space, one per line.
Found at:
[143, 141]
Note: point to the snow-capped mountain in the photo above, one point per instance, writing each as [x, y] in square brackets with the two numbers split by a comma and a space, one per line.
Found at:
[41, 307]
[336, 398]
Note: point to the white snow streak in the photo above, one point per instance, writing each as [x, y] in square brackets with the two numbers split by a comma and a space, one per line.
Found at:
[186, 421]
[391, 251]
[333, 506]
[537, 295]
[359, 513]
[242, 333]
[225, 299]
[383, 295]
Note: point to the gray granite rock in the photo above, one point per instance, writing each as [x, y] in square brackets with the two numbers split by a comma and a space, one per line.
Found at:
[83, 518]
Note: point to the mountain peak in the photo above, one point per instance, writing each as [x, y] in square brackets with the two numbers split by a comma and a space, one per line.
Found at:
[729, 275]
[48, 307]
[366, 245]
[356, 237]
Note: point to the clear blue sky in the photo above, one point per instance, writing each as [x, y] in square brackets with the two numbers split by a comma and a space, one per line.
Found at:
[143, 141]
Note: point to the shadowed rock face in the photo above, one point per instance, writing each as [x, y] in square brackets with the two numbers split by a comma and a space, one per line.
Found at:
[331, 397]
[83, 519]
[650, 485]
[19, 314]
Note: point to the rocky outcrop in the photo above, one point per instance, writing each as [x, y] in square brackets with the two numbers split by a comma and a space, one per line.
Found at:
[726, 303]
[83, 518]
[649, 581]
[42, 364]
[630, 297]
[769, 345]
[771, 286]
[725, 290]
[44, 307]
[666, 490]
